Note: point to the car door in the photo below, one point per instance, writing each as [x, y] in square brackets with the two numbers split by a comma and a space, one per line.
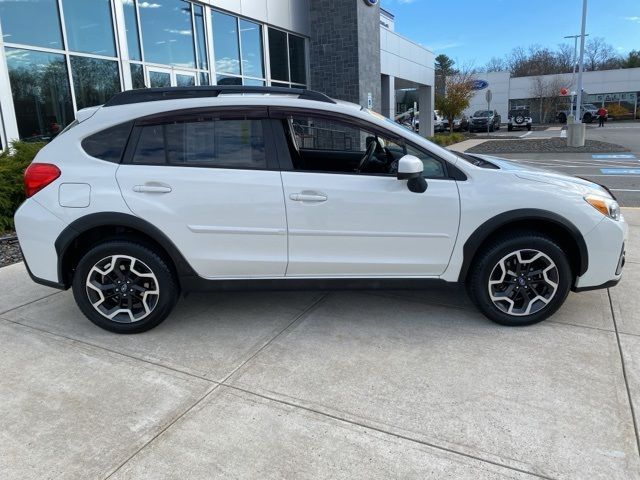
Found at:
[343, 223]
[209, 180]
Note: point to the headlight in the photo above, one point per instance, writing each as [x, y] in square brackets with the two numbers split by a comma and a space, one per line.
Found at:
[606, 206]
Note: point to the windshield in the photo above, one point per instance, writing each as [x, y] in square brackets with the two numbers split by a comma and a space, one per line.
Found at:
[483, 113]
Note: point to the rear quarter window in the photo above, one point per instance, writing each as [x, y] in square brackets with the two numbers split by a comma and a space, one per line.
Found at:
[108, 144]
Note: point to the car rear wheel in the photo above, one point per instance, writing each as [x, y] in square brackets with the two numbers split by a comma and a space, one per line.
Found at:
[124, 287]
[562, 118]
[520, 279]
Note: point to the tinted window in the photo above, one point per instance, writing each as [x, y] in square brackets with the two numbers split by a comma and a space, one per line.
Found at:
[209, 143]
[278, 55]
[89, 26]
[297, 59]
[21, 23]
[225, 43]
[167, 33]
[433, 168]
[137, 76]
[41, 93]
[108, 144]
[94, 80]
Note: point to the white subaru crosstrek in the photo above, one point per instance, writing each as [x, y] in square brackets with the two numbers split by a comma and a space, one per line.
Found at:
[163, 191]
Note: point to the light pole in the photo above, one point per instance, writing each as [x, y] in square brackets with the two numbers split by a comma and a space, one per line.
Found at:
[576, 129]
[574, 61]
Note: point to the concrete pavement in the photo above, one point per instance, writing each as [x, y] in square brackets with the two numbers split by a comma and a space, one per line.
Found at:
[322, 385]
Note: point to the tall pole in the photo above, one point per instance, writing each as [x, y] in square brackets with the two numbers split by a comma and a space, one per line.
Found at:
[581, 65]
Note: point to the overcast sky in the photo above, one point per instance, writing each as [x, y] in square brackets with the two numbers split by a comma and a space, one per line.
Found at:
[474, 31]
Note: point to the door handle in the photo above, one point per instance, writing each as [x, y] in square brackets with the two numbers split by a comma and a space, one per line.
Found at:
[311, 197]
[152, 189]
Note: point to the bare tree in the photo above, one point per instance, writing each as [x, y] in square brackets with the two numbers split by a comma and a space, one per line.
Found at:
[600, 55]
[546, 93]
[496, 64]
[565, 58]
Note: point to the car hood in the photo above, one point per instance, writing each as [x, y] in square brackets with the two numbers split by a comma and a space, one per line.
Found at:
[541, 175]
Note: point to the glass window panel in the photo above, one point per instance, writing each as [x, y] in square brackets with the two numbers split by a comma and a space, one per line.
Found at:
[159, 79]
[108, 144]
[225, 43]
[89, 26]
[94, 81]
[278, 55]
[251, 41]
[185, 80]
[204, 78]
[137, 76]
[297, 59]
[253, 82]
[32, 23]
[217, 143]
[225, 80]
[279, 84]
[201, 42]
[131, 26]
[167, 32]
[41, 93]
[150, 148]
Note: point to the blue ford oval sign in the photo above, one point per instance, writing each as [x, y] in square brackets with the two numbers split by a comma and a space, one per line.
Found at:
[371, 3]
[480, 84]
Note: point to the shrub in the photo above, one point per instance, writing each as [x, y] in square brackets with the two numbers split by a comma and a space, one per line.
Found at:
[13, 162]
[448, 139]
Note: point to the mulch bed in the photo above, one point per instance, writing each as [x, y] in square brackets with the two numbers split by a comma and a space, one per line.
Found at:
[545, 145]
[9, 250]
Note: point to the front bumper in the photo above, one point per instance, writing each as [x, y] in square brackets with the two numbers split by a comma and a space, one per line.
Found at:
[606, 246]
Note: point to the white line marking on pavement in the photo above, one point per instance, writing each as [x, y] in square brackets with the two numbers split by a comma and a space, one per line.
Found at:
[526, 134]
[563, 134]
[600, 175]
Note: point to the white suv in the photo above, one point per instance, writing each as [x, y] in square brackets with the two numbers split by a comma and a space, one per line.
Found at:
[164, 191]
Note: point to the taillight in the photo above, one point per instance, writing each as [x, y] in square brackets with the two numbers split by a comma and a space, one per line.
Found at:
[39, 175]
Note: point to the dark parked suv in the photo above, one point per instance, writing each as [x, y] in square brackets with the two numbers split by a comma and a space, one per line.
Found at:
[478, 121]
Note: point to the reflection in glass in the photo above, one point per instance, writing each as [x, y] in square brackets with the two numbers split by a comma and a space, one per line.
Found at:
[159, 79]
[251, 40]
[41, 93]
[198, 15]
[226, 80]
[253, 82]
[278, 84]
[167, 32]
[137, 76]
[94, 81]
[89, 26]
[297, 59]
[32, 23]
[131, 26]
[225, 43]
[278, 55]
[185, 80]
[204, 78]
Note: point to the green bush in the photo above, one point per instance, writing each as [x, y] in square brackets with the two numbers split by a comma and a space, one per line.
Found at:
[13, 162]
[447, 139]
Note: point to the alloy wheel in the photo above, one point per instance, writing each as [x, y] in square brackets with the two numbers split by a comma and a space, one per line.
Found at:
[523, 282]
[122, 289]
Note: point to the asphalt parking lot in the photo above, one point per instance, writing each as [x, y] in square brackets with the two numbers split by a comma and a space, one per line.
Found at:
[619, 171]
[312, 385]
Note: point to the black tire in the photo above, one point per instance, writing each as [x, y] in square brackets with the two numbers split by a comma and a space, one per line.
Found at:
[510, 128]
[562, 118]
[492, 128]
[489, 258]
[529, 127]
[587, 118]
[147, 263]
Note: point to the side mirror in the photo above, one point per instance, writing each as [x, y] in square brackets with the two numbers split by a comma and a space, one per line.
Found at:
[410, 168]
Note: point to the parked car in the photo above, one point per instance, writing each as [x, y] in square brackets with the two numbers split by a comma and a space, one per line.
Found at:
[438, 122]
[588, 113]
[460, 124]
[167, 191]
[479, 120]
[519, 118]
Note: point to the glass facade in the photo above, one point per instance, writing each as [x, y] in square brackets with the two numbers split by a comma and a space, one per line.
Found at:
[69, 55]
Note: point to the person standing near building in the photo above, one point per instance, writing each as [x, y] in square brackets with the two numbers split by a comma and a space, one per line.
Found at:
[602, 116]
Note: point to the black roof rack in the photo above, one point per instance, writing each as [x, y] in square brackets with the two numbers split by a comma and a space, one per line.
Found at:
[175, 93]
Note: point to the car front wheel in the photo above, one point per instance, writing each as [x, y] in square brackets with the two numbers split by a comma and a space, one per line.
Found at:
[124, 287]
[520, 279]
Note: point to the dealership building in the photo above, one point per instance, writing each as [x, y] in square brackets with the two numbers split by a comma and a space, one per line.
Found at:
[617, 90]
[59, 56]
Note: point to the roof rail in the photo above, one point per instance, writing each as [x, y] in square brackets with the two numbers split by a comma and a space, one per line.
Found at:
[143, 95]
